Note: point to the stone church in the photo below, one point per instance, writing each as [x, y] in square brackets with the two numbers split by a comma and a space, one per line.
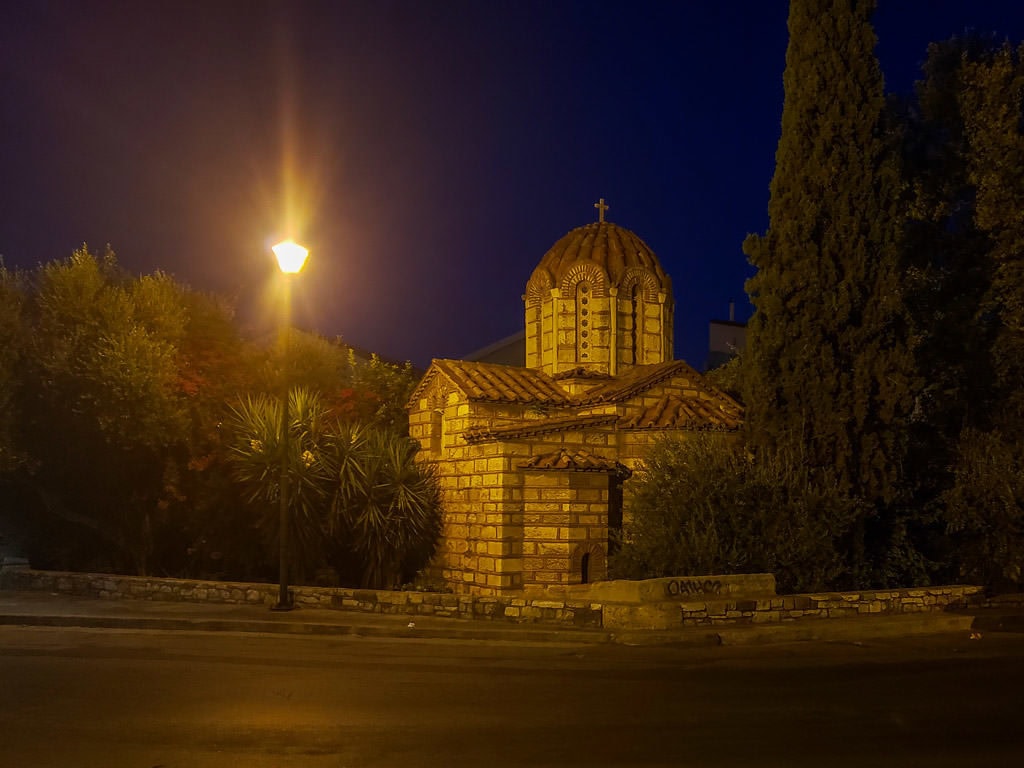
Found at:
[532, 459]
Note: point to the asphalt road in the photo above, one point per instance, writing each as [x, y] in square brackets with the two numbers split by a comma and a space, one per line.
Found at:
[76, 698]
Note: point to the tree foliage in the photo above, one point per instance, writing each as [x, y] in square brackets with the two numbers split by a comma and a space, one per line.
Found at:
[828, 364]
[965, 288]
[829, 372]
[101, 413]
[13, 335]
[703, 505]
[993, 98]
[115, 396]
[376, 392]
[985, 509]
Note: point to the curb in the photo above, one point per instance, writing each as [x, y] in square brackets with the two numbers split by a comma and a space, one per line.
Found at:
[822, 630]
[1013, 622]
[518, 634]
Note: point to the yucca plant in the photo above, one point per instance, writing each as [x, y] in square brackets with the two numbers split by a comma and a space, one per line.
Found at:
[352, 487]
[387, 506]
[256, 458]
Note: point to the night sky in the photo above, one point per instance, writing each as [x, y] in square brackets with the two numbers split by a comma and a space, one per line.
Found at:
[428, 153]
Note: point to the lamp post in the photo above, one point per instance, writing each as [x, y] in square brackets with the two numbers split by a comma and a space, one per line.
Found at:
[290, 258]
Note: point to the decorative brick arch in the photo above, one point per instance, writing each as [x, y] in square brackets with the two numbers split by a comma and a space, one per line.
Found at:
[538, 288]
[437, 400]
[584, 271]
[643, 278]
[591, 553]
[438, 397]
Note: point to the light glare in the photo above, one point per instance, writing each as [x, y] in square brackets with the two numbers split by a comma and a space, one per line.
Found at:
[290, 256]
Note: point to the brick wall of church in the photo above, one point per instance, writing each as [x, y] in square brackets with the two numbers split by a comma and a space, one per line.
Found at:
[481, 544]
[504, 528]
[481, 547]
[565, 527]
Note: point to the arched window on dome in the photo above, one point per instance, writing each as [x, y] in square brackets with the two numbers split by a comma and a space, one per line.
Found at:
[636, 317]
[583, 296]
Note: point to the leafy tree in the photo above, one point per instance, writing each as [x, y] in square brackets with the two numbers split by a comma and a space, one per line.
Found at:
[964, 145]
[12, 342]
[947, 277]
[948, 271]
[985, 509]
[375, 392]
[829, 373]
[369, 391]
[101, 414]
[210, 531]
[703, 505]
[728, 377]
[985, 504]
[311, 361]
[993, 99]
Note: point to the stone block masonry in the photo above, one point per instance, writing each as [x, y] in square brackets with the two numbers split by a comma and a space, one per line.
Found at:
[566, 613]
[829, 605]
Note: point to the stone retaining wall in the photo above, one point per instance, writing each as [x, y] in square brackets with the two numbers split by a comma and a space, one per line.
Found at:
[586, 610]
[831, 605]
[546, 611]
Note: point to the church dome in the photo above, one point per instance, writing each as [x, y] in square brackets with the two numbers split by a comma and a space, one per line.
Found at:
[616, 250]
[597, 303]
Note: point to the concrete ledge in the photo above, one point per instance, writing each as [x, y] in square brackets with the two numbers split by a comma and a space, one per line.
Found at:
[748, 585]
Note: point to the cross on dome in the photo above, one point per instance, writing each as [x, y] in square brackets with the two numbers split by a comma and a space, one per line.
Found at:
[601, 208]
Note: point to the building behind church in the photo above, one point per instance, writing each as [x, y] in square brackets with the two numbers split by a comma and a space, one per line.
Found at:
[532, 459]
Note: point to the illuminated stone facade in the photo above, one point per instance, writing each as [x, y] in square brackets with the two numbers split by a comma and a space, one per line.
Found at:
[532, 459]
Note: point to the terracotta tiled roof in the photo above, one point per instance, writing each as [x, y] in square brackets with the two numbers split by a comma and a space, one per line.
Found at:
[574, 461]
[538, 427]
[496, 383]
[705, 408]
[634, 381]
[696, 413]
[580, 373]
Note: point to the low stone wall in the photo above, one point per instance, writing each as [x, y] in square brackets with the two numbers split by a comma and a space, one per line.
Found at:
[611, 605]
[1012, 601]
[830, 605]
[107, 586]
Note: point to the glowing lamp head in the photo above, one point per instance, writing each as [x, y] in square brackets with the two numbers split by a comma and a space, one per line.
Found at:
[290, 256]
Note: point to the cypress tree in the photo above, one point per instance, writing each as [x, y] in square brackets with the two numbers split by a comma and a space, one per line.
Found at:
[829, 369]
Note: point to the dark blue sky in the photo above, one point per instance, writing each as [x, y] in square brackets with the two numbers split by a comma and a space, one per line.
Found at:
[436, 149]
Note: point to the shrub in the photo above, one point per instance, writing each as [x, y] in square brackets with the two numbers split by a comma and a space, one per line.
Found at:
[985, 509]
[702, 505]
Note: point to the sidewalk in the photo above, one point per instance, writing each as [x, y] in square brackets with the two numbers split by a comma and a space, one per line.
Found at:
[42, 609]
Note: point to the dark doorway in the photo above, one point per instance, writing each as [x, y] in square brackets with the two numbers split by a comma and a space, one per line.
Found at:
[585, 569]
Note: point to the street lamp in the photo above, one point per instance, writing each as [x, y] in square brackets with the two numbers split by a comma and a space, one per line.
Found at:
[290, 258]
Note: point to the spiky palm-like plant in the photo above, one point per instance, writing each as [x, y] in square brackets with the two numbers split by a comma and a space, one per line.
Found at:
[351, 485]
[388, 506]
[256, 462]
